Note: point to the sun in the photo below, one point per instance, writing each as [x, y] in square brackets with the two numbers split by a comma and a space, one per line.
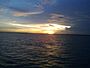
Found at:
[49, 32]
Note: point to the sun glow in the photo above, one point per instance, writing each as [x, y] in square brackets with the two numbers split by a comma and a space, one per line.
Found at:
[49, 32]
[39, 28]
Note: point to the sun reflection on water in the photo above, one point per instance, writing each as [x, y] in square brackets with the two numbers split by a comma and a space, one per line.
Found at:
[51, 50]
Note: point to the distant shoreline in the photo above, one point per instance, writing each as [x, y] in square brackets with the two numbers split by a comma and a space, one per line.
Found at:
[47, 34]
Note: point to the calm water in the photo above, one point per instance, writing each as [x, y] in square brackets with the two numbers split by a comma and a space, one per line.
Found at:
[44, 51]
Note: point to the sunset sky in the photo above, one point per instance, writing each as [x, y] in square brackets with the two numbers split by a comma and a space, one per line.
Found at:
[40, 16]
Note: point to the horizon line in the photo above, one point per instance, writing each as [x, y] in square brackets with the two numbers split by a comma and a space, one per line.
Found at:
[44, 34]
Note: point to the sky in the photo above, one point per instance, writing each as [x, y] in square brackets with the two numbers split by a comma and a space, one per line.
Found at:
[45, 16]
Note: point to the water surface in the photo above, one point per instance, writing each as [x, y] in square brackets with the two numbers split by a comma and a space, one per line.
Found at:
[44, 51]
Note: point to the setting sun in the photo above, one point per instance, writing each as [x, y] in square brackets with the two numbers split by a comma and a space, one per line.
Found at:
[49, 32]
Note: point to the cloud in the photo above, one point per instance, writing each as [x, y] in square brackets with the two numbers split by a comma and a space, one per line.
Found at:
[56, 18]
[26, 8]
[40, 28]
[48, 2]
[16, 13]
